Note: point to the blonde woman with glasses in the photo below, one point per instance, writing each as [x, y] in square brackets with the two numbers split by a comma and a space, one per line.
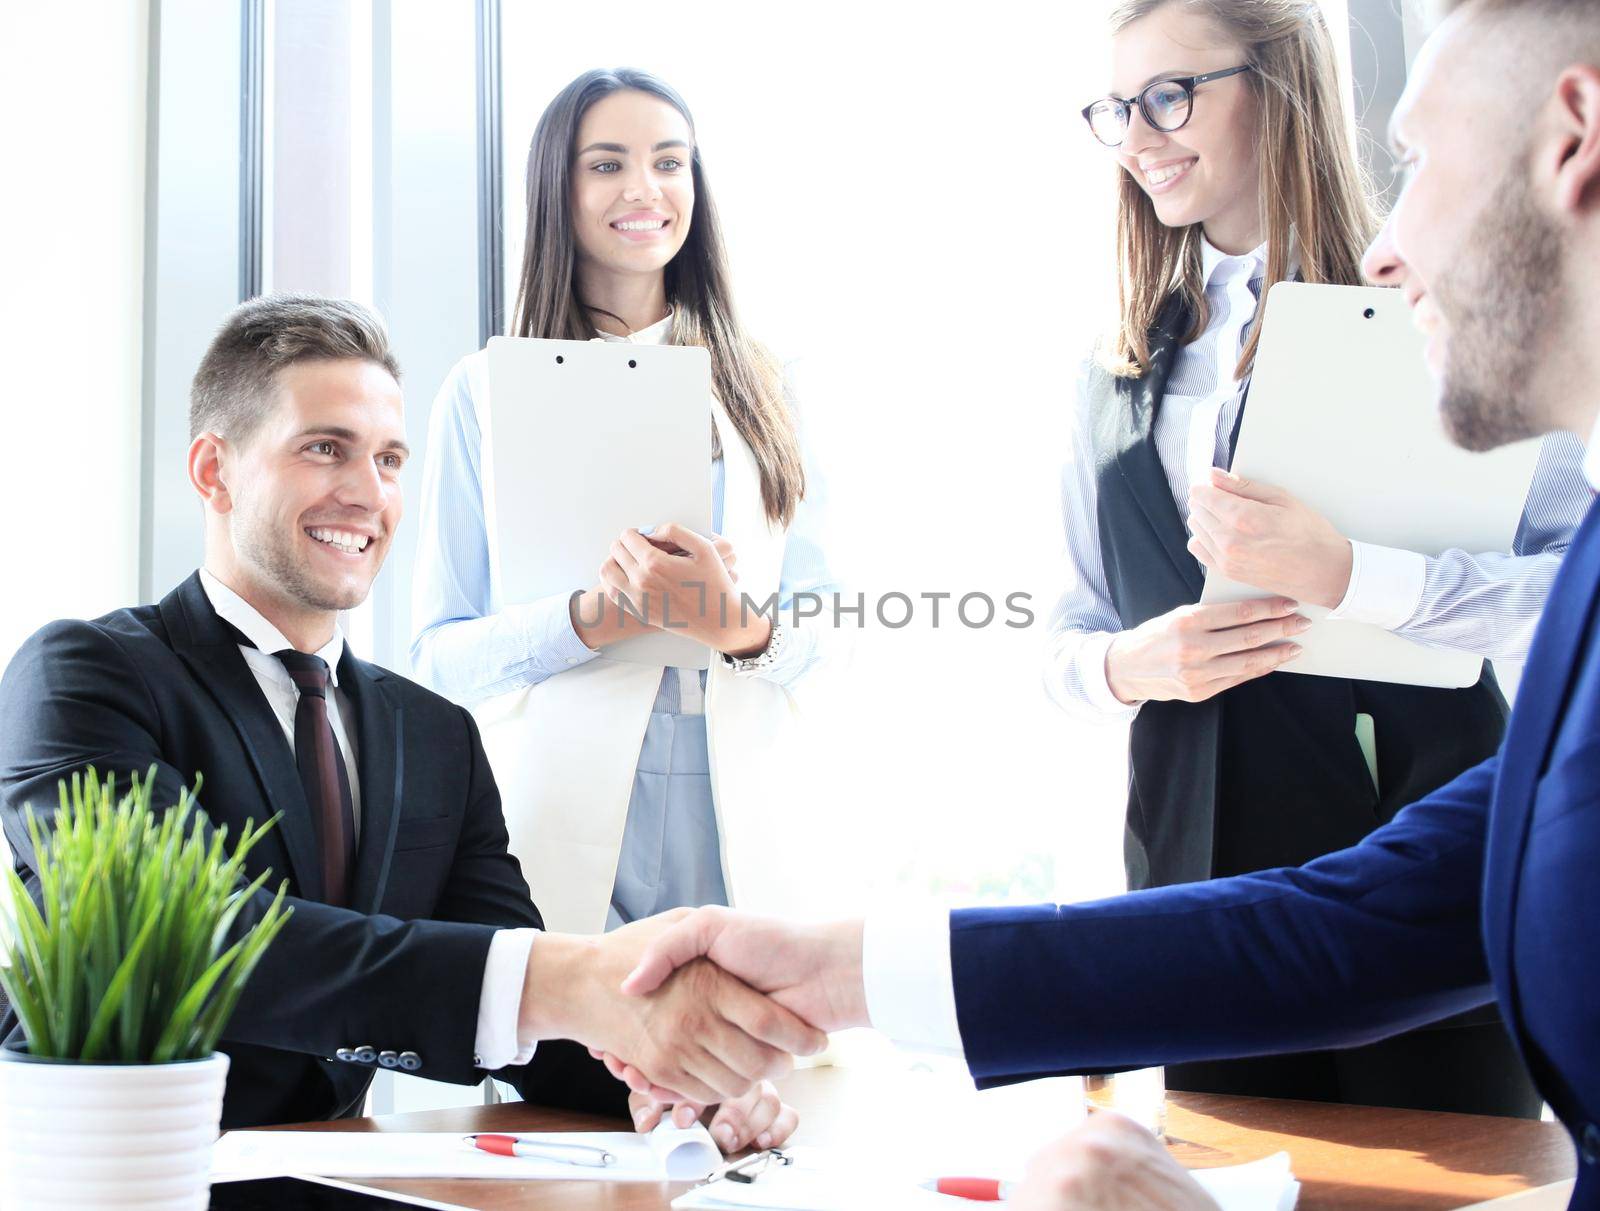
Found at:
[1236, 170]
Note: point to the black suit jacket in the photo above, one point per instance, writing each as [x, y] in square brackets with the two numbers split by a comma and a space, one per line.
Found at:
[401, 970]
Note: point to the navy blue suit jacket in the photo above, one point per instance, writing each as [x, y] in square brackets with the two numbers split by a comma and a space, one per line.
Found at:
[1487, 889]
[399, 971]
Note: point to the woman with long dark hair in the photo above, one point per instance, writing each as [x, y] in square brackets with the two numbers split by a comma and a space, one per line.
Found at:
[628, 789]
[1235, 171]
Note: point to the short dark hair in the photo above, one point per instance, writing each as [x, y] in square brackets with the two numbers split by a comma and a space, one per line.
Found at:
[233, 389]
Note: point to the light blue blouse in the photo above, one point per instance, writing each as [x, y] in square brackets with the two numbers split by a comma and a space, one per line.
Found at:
[468, 645]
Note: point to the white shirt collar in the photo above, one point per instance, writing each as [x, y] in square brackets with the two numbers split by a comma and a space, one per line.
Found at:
[1219, 265]
[657, 334]
[1591, 457]
[232, 608]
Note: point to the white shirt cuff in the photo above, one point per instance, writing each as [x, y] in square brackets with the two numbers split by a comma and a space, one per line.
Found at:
[496, 1043]
[1385, 588]
[1091, 661]
[911, 994]
[794, 656]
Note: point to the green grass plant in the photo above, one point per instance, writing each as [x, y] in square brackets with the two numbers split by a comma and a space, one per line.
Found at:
[127, 955]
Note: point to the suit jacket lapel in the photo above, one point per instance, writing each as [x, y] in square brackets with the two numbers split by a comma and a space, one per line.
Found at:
[1569, 614]
[380, 758]
[1137, 458]
[210, 650]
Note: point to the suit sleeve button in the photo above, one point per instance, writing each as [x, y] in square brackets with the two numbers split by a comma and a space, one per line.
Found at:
[410, 1061]
[366, 1054]
[388, 1059]
[345, 1054]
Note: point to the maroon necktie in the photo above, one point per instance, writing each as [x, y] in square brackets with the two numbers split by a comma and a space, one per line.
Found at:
[322, 773]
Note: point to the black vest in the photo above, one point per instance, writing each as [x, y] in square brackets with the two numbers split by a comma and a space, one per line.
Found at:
[1269, 773]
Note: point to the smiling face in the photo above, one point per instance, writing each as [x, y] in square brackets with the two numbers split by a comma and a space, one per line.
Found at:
[306, 506]
[1479, 259]
[1208, 171]
[632, 186]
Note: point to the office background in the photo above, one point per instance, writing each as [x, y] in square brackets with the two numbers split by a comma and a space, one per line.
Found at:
[916, 219]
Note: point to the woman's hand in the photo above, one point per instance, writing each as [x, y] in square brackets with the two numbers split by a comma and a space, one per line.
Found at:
[1196, 652]
[759, 1119]
[723, 546]
[685, 583]
[1256, 534]
[598, 615]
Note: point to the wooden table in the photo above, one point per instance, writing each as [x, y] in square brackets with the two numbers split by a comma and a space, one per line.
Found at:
[1348, 1158]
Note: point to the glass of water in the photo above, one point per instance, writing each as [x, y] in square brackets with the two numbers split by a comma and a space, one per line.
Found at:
[1140, 1094]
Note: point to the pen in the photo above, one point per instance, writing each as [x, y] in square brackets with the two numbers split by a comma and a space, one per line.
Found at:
[979, 1189]
[547, 1150]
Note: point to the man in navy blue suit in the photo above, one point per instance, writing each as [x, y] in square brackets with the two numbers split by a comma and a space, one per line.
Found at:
[1487, 889]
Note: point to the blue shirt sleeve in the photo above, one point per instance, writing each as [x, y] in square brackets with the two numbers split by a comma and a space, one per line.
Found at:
[1490, 602]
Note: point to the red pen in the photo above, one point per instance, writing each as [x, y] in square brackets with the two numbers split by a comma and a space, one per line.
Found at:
[979, 1189]
[542, 1149]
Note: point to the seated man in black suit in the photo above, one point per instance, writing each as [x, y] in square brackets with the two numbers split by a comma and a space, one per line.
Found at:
[414, 943]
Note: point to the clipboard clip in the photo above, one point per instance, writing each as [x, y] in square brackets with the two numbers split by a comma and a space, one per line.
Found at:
[753, 1166]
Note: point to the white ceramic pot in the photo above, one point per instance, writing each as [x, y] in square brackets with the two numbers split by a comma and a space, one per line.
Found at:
[87, 1137]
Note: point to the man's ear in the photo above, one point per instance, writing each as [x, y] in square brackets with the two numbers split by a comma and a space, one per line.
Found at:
[1577, 108]
[208, 455]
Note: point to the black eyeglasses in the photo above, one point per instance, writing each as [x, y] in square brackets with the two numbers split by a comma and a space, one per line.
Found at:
[1166, 106]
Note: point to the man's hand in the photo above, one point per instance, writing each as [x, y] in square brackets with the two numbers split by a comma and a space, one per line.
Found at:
[813, 970]
[699, 1035]
[1110, 1163]
[759, 1119]
[1260, 535]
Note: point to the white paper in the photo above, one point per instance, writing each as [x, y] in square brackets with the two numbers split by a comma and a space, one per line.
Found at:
[1553, 1197]
[666, 1154]
[1263, 1185]
[819, 1181]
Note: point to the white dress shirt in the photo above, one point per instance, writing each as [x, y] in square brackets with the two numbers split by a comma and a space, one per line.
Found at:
[905, 968]
[495, 1044]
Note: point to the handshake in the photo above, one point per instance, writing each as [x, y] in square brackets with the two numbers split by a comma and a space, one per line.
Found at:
[697, 1006]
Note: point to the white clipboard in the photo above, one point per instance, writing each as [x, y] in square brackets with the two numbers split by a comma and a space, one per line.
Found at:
[1342, 413]
[585, 439]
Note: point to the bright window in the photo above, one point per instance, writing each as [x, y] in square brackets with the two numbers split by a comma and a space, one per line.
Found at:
[916, 215]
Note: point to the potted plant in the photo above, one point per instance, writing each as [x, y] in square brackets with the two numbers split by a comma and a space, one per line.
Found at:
[123, 973]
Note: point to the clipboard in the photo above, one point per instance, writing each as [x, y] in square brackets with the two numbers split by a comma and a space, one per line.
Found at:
[585, 439]
[1342, 413]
